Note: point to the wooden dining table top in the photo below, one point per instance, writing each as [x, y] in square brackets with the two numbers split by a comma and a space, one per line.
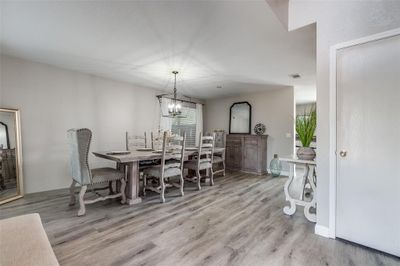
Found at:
[135, 155]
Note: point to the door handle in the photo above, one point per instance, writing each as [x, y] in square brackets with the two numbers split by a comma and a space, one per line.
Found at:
[343, 153]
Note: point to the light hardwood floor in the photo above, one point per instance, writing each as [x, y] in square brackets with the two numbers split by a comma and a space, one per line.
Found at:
[239, 221]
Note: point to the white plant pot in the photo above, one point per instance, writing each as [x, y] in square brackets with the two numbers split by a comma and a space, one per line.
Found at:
[306, 153]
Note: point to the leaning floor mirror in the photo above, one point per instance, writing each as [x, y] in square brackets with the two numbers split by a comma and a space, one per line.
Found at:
[11, 187]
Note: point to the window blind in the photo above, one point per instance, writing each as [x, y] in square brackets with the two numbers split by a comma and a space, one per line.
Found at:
[186, 124]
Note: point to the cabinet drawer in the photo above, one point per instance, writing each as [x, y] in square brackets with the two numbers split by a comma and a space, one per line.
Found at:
[233, 142]
[250, 141]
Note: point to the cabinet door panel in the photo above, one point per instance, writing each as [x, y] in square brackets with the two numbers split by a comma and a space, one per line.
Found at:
[250, 157]
[234, 155]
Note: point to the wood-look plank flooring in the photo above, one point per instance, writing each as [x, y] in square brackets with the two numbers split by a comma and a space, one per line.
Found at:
[238, 221]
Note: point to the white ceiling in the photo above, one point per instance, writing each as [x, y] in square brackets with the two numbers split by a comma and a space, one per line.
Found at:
[239, 45]
[305, 94]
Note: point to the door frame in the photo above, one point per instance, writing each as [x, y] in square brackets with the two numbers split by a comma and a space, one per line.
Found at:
[333, 117]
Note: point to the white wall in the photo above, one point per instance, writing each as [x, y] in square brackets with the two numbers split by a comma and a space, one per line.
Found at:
[302, 108]
[337, 21]
[274, 108]
[52, 100]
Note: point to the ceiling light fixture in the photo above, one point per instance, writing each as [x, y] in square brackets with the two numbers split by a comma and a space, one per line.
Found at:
[175, 108]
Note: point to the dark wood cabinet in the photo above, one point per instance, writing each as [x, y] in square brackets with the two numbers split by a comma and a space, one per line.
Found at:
[233, 154]
[247, 153]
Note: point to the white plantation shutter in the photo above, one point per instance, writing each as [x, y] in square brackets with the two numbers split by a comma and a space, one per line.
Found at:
[186, 124]
[192, 123]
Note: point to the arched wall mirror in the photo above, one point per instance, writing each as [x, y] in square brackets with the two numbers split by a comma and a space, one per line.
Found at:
[10, 156]
[240, 118]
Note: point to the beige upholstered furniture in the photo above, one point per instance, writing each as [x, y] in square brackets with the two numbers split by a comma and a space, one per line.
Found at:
[203, 160]
[171, 167]
[23, 241]
[79, 142]
[247, 153]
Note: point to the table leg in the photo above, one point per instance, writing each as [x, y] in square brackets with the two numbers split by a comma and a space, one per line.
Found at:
[132, 188]
[311, 216]
[292, 209]
[304, 182]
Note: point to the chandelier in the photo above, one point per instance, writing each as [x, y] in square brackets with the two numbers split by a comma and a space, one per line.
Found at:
[175, 108]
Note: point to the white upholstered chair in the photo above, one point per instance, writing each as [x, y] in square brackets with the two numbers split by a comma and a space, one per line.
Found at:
[79, 143]
[173, 153]
[203, 160]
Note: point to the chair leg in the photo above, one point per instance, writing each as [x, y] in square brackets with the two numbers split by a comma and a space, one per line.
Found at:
[110, 187]
[123, 196]
[198, 179]
[82, 209]
[212, 177]
[118, 186]
[182, 183]
[223, 164]
[72, 193]
[162, 197]
[144, 184]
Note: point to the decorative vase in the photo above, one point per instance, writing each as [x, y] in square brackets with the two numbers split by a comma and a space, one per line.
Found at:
[275, 166]
[306, 153]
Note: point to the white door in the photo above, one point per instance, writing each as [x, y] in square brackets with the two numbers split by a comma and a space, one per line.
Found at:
[368, 144]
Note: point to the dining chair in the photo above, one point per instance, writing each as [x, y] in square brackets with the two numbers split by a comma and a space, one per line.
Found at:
[219, 158]
[134, 142]
[157, 140]
[172, 159]
[203, 160]
[79, 142]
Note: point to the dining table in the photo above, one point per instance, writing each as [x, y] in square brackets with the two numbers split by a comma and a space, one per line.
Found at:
[131, 160]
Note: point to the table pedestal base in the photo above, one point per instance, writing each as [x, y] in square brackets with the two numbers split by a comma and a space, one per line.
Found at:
[309, 177]
[132, 187]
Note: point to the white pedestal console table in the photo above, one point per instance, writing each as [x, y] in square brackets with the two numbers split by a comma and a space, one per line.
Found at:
[309, 179]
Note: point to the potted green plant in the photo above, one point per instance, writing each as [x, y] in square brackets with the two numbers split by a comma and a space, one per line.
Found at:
[305, 129]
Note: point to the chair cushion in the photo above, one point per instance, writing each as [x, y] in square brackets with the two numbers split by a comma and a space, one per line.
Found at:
[23, 241]
[106, 174]
[192, 164]
[172, 169]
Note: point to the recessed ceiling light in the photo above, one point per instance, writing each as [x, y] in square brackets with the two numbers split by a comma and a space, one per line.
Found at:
[295, 76]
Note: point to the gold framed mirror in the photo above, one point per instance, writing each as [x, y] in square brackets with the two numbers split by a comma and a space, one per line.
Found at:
[11, 179]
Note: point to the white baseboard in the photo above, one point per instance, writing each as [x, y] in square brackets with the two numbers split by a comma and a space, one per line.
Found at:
[322, 231]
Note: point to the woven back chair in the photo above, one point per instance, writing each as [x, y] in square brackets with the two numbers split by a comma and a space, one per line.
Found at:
[173, 153]
[79, 142]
